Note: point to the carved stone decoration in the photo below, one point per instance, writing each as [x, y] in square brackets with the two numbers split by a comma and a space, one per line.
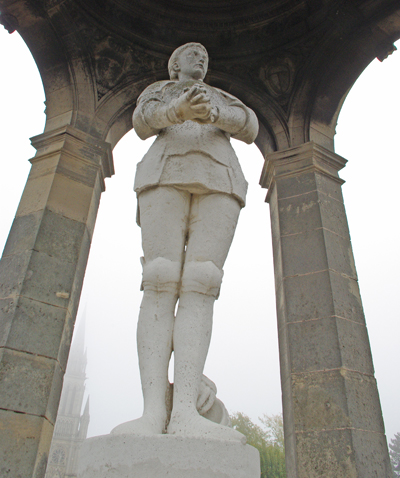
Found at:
[114, 61]
[278, 76]
[9, 22]
[58, 456]
[56, 464]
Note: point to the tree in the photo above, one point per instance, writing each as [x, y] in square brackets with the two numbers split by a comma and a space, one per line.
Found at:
[267, 440]
[255, 435]
[394, 453]
[274, 426]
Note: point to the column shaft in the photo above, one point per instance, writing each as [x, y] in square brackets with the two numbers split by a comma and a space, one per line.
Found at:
[41, 275]
[332, 415]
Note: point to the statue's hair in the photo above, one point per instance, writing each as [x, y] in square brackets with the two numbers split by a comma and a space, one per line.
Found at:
[175, 55]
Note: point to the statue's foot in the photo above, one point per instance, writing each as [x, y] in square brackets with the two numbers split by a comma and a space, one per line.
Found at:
[146, 425]
[195, 426]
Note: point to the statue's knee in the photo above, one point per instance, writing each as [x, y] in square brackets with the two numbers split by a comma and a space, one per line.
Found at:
[161, 275]
[202, 277]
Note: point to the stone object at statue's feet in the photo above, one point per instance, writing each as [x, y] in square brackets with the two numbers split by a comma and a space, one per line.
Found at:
[166, 456]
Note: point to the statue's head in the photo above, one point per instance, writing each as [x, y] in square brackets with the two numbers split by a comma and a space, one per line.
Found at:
[190, 59]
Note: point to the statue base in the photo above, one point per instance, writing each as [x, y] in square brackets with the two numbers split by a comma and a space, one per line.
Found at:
[166, 456]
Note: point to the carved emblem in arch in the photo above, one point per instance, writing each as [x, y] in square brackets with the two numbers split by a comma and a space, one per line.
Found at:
[114, 61]
[278, 76]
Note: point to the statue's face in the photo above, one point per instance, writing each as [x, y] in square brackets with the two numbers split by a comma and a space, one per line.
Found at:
[193, 63]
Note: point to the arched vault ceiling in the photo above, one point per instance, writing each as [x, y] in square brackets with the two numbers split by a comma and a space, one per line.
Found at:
[230, 29]
[292, 61]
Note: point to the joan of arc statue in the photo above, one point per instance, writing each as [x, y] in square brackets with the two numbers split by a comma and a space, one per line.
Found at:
[190, 190]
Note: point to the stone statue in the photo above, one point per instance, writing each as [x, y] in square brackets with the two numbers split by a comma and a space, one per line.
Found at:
[190, 190]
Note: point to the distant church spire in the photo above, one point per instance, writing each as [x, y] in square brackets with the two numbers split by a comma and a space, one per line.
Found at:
[77, 359]
[71, 426]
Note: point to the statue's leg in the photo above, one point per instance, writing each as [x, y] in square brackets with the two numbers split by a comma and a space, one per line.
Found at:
[212, 224]
[163, 218]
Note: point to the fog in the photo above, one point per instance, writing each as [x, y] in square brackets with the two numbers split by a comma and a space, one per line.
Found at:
[243, 359]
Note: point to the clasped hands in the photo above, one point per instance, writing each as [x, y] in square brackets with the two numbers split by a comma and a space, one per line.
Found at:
[194, 104]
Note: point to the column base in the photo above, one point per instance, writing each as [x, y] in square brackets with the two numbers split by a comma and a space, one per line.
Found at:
[162, 456]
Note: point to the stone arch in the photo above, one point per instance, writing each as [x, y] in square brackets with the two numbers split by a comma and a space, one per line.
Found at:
[371, 135]
[55, 33]
[333, 70]
[49, 53]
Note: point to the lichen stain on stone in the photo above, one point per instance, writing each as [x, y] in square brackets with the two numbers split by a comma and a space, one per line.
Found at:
[307, 206]
[343, 372]
[331, 456]
[311, 404]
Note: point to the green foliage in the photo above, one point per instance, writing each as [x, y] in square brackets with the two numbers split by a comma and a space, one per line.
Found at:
[394, 452]
[274, 425]
[272, 460]
[267, 440]
[255, 435]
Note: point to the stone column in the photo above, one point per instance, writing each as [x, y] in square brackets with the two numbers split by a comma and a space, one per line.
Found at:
[41, 275]
[332, 415]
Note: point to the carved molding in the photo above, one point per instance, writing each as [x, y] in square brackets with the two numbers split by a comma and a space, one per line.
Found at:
[9, 22]
[115, 60]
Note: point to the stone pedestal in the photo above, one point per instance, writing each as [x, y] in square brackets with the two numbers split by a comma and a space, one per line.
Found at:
[162, 456]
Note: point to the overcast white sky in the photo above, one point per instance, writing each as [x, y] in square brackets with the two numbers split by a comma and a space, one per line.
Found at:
[243, 359]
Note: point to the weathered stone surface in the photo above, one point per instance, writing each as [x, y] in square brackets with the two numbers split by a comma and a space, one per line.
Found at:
[49, 279]
[312, 210]
[345, 454]
[327, 454]
[371, 448]
[326, 367]
[30, 383]
[23, 233]
[79, 274]
[24, 445]
[314, 344]
[292, 295]
[70, 198]
[295, 259]
[347, 297]
[299, 305]
[308, 182]
[35, 194]
[60, 236]
[165, 456]
[13, 270]
[329, 343]
[41, 277]
[23, 321]
[336, 399]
